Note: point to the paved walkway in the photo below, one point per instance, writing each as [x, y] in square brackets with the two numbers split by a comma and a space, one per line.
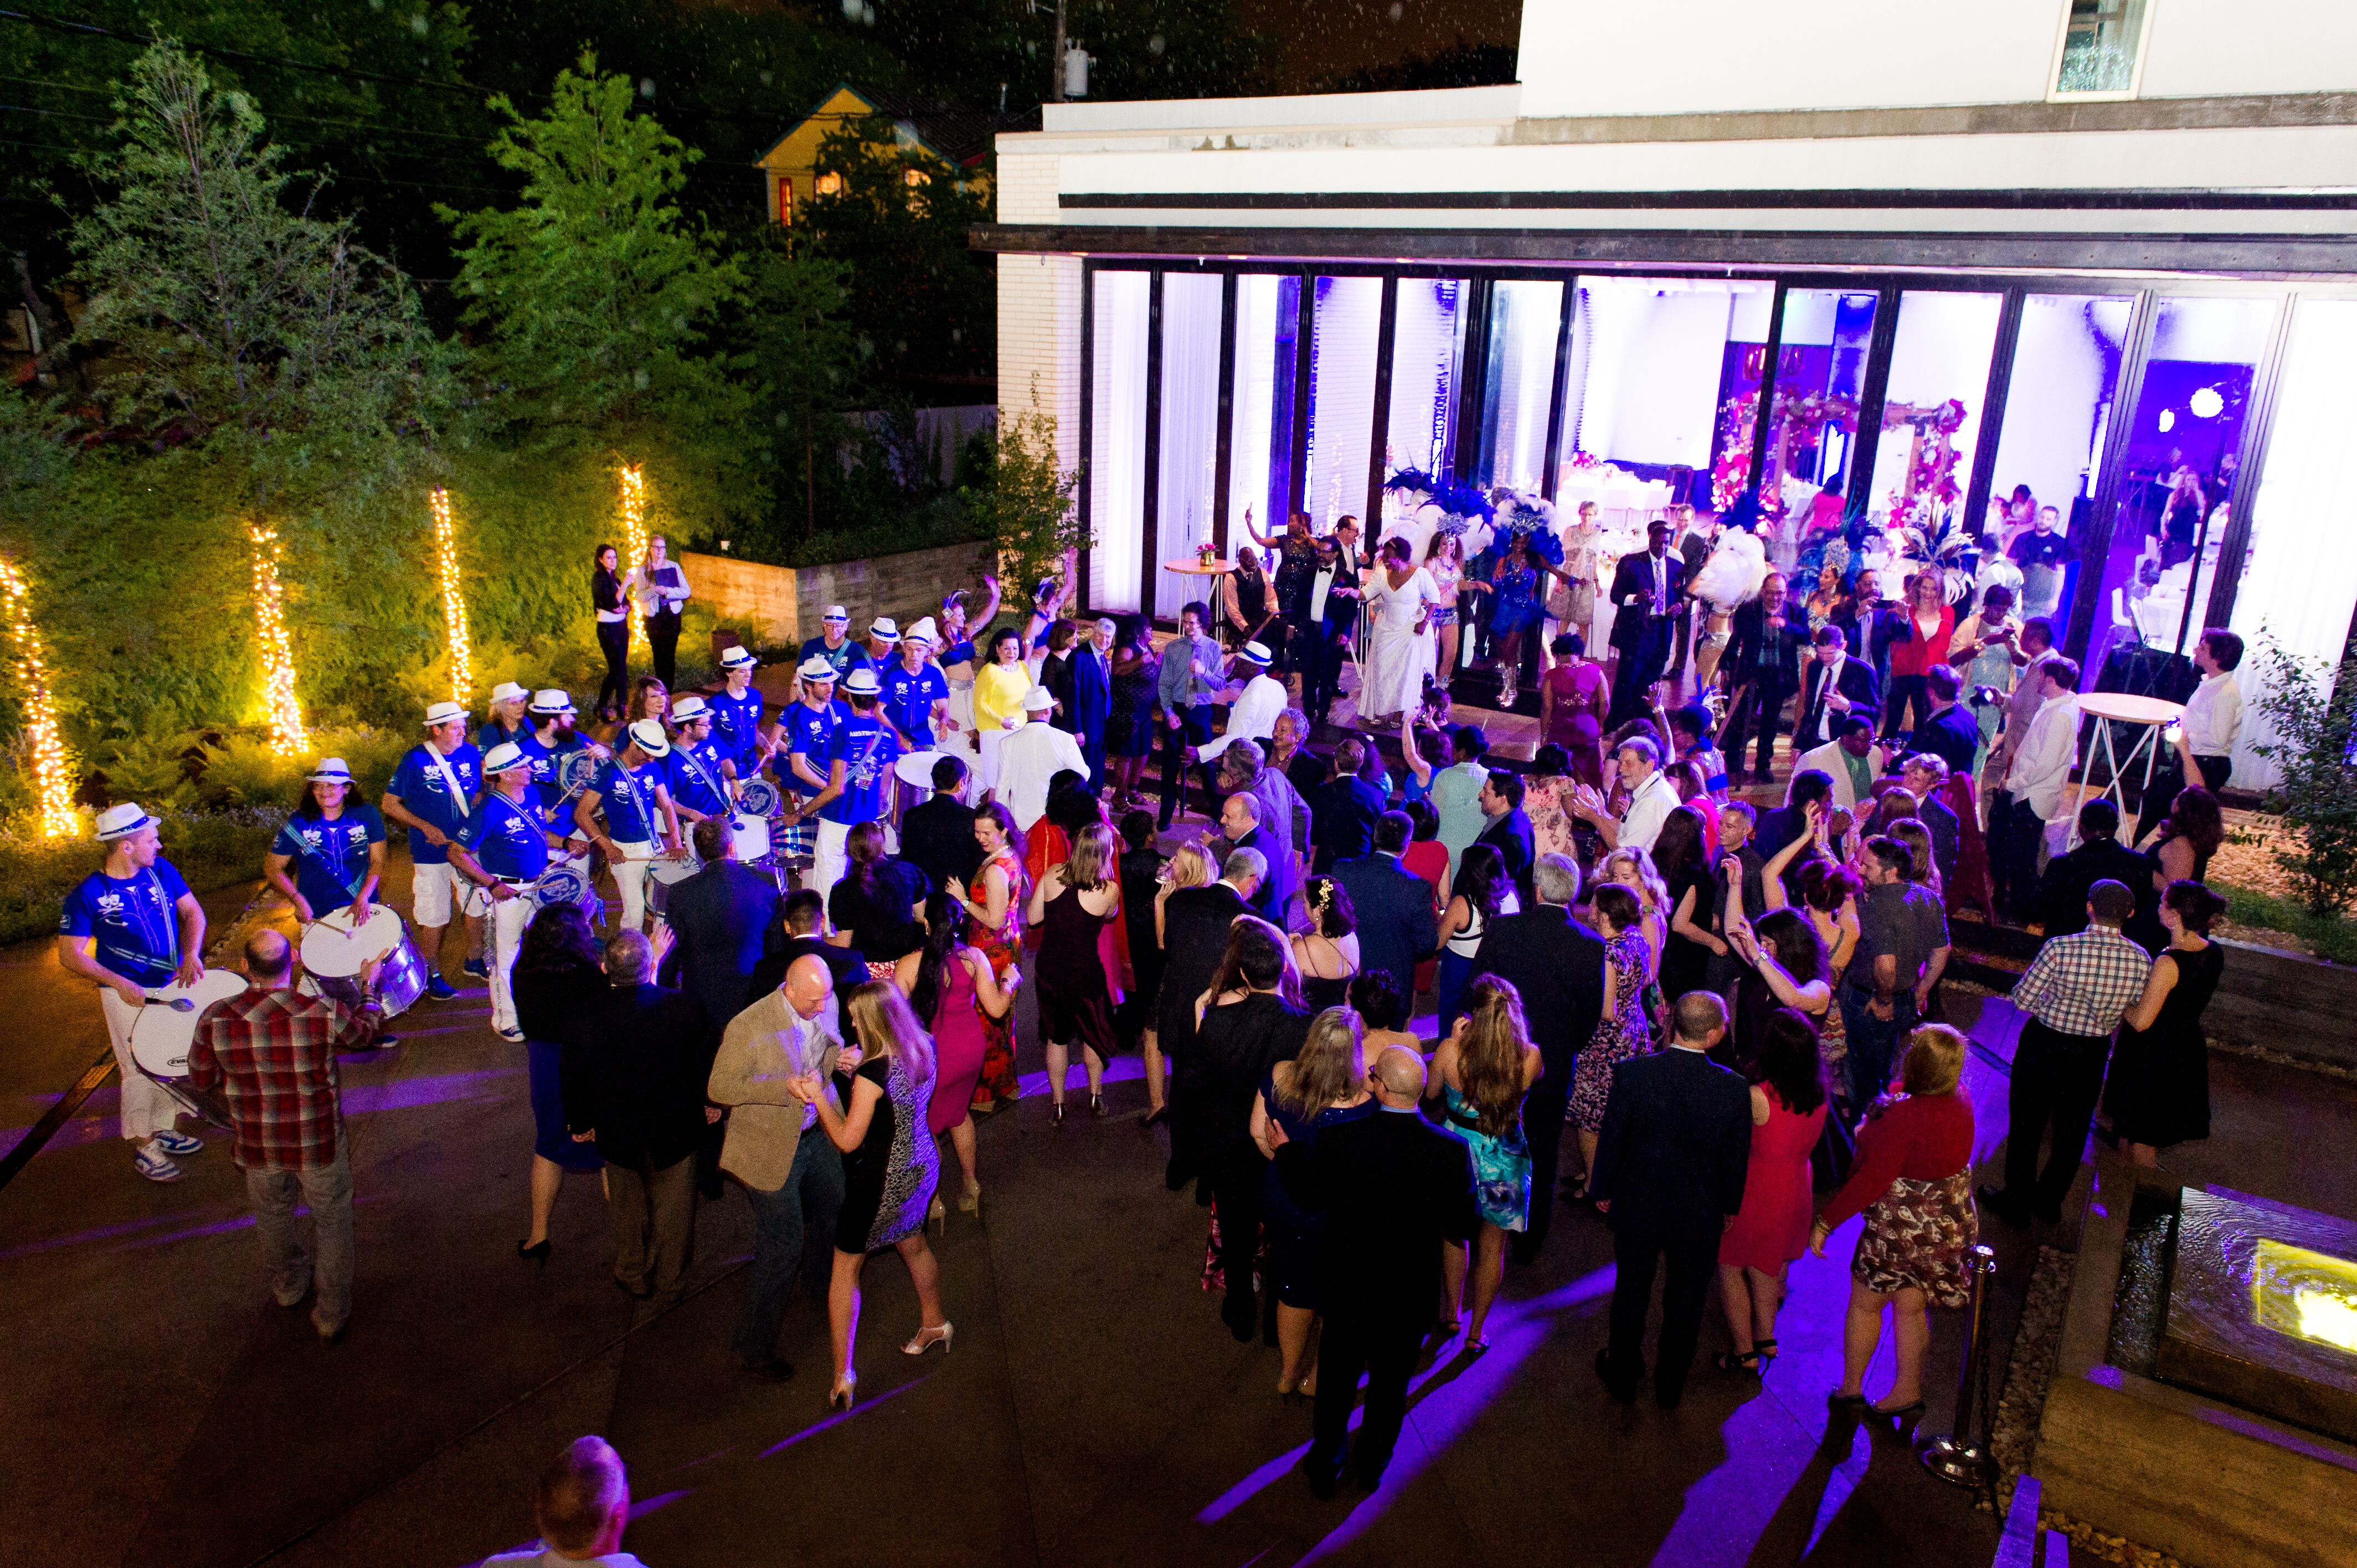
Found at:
[1095, 1412]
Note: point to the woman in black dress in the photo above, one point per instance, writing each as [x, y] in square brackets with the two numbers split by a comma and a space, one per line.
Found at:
[2158, 1093]
[878, 909]
[559, 976]
[1070, 906]
[1328, 952]
[1129, 729]
[2178, 847]
[1682, 857]
[613, 613]
[875, 1115]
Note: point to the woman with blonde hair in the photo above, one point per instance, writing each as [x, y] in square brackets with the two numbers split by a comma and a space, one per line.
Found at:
[1482, 1070]
[1325, 1084]
[1072, 905]
[873, 1109]
[1633, 869]
[1912, 1180]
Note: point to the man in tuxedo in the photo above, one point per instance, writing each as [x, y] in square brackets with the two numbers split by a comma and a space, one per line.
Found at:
[1509, 829]
[803, 916]
[1647, 591]
[1557, 965]
[1194, 936]
[1833, 684]
[2100, 857]
[1669, 1175]
[1344, 810]
[1334, 598]
[1762, 666]
[937, 834]
[1393, 1188]
[728, 918]
[1398, 925]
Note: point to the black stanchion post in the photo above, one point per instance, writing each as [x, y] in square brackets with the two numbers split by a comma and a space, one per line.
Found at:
[1960, 1459]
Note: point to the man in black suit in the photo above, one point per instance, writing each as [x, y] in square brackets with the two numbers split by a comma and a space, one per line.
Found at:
[1670, 1165]
[1508, 832]
[1834, 684]
[634, 1086]
[1344, 810]
[1809, 786]
[1398, 927]
[1647, 591]
[1333, 618]
[1241, 824]
[1763, 667]
[1194, 936]
[937, 834]
[728, 920]
[1393, 1188]
[1950, 733]
[804, 914]
[2101, 857]
[1557, 965]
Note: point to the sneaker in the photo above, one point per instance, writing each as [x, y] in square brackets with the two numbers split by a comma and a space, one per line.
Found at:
[477, 968]
[513, 1036]
[173, 1143]
[153, 1163]
[436, 987]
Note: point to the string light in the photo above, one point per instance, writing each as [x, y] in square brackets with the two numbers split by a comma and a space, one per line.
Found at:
[52, 778]
[454, 603]
[287, 736]
[634, 522]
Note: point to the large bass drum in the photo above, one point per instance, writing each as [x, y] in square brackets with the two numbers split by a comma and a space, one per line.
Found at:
[337, 947]
[166, 1027]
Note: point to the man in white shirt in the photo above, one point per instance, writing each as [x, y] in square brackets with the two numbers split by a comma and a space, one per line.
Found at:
[1030, 756]
[2036, 780]
[582, 1508]
[2213, 714]
[1652, 799]
[1252, 715]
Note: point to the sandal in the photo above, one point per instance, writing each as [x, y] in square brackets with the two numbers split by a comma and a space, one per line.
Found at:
[1732, 1361]
[1764, 1348]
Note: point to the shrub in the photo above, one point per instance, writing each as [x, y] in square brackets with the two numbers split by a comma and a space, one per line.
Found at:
[2311, 712]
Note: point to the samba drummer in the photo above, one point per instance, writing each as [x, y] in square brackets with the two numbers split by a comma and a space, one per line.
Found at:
[431, 794]
[330, 853]
[916, 694]
[806, 733]
[736, 711]
[128, 927]
[546, 746]
[693, 771]
[503, 851]
[641, 822]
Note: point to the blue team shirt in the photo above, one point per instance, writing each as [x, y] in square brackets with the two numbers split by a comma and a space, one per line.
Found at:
[545, 760]
[493, 733]
[506, 839]
[628, 796]
[134, 920]
[330, 859]
[417, 784]
[693, 774]
[735, 724]
[909, 699]
[844, 659]
[810, 732]
[865, 746]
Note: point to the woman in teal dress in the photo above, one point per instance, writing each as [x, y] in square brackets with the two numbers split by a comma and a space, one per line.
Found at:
[1483, 1069]
[1992, 665]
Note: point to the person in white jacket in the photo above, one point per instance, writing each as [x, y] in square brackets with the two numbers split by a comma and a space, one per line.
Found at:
[1030, 756]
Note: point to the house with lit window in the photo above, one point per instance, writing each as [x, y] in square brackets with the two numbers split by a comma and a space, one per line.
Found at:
[959, 137]
[1846, 260]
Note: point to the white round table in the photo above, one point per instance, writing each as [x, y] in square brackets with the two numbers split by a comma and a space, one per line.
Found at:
[2147, 715]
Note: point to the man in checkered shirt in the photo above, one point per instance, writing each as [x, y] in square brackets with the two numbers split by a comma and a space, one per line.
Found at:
[2075, 991]
[271, 1055]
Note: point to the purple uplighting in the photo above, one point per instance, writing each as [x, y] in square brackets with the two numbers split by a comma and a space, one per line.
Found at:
[838, 1418]
[413, 1093]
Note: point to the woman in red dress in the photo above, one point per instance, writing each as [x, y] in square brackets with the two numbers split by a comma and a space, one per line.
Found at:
[994, 902]
[1788, 1114]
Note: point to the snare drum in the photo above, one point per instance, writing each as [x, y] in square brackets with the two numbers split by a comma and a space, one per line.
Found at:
[751, 834]
[166, 1027]
[568, 880]
[335, 950]
[668, 872]
[760, 798]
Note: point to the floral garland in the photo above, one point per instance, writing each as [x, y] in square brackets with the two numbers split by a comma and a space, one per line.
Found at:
[1932, 479]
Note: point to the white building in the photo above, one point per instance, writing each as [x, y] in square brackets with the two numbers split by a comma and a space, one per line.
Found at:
[2071, 245]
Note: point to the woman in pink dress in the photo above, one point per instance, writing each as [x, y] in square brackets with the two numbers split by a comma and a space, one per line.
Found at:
[1572, 697]
[952, 985]
[1788, 1114]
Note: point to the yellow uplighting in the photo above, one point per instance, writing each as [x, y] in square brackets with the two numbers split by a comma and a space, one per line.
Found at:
[634, 522]
[454, 602]
[287, 736]
[2308, 1295]
[52, 777]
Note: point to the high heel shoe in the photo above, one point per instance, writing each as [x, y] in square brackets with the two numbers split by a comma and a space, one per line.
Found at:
[928, 1337]
[1765, 1350]
[1056, 1114]
[971, 1203]
[1155, 1117]
[1096, 1106]
[937, 1216]
[845, 1389]
[537, 1252]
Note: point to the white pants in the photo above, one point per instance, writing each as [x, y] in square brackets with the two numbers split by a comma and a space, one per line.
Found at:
[828, 864]
[986, 769]
[637, 859]
[509, 918]
[148, 1110]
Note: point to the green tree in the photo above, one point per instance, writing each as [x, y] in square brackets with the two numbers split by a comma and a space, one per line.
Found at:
[803, 355]
[2311, 710]
[1028, 504]
[598, 301]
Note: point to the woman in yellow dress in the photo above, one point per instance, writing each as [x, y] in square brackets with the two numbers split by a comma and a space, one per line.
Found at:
[998, 688]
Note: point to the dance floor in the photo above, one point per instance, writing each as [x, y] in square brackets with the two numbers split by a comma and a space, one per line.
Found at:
[160, 1409]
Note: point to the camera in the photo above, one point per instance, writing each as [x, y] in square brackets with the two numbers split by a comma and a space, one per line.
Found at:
[1985, 697]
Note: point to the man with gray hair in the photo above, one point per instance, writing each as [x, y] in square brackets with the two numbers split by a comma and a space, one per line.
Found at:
[793, 1178]
[634, 1086]
[1557, 962]
[1282, 807]
[1245, 828]
[581, 1508]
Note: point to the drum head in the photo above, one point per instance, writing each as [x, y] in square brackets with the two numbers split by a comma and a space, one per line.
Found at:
[752, 836]
[917, 767]
[760, 798]
[161, 1034]
[334, 947]
[668, 870]
[561, 884]
[575, 769]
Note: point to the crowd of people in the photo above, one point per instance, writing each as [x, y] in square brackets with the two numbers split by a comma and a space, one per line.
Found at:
[1731, 1009]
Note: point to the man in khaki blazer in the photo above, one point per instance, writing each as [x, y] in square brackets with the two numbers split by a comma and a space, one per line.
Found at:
[794, 1183]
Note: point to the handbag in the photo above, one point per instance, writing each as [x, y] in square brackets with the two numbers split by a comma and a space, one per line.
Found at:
[1834, 1152]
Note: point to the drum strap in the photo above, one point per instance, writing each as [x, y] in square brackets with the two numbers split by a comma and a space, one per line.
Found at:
[171, 921]
[638, 802]
[350, 886]
[449, 779]
[703, 775]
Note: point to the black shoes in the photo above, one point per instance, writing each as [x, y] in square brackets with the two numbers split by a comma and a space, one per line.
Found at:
[1994, 1200]
[537, 1252]
[1242, 1317]
[776, 1370]
[1623, 1389]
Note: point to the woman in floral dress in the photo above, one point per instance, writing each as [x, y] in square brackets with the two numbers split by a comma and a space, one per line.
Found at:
[1625, 1032]
[994, 903]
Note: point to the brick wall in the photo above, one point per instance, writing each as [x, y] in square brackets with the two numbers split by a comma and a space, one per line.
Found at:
[784, 603]
[1039, 343]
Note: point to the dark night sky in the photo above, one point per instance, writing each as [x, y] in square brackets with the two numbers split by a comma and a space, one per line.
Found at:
[1329, 38]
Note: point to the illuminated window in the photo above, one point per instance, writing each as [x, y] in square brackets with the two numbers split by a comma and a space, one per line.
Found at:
[2101, 51]
[786, 202]
[830, 183]
[914, 177]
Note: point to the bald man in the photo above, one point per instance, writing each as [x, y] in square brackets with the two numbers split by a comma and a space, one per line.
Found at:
[794, 1183]
[1394, 1187]
[581, 1507]
[270, 1052]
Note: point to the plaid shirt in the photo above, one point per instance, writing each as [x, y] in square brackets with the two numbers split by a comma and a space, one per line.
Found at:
[2079, 985]
[273, 1056]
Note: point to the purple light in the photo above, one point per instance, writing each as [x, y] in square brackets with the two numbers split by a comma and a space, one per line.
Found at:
[413, 1093]
[838, 1418]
